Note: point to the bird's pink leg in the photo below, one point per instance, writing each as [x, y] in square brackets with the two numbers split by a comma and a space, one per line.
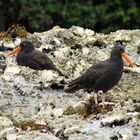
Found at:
[100, 92]
[103, 99]
[96, 98]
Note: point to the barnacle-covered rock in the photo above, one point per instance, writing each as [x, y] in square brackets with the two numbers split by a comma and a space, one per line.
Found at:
[115, 120]
[10, 72]
[9, 44]
[89, 32]
[75, 108]
[28, 96]
[78, 31]
[5, 122]
[85, 51]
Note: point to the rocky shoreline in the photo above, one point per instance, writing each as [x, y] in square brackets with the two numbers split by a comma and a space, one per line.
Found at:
[34, 106]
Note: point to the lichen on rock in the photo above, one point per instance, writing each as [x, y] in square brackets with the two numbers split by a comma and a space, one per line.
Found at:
[29, 96]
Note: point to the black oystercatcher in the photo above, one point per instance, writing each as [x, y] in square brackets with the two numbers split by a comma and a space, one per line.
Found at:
[34, 59]
[102, 76]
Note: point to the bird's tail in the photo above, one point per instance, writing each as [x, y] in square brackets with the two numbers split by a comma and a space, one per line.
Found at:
[60, 73]
[71, 89]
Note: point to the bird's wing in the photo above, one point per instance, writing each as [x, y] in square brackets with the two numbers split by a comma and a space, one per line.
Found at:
[42, 60]
[90, 77]
[39, 61]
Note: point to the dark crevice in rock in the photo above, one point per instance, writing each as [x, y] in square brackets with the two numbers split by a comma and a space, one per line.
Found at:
[57, 86]
[60, 134]
[117, 122]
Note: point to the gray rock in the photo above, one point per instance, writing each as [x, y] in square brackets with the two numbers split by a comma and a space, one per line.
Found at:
[26, 96]
[78, 31]
[5, 122]
[115, 120]
[46, 137]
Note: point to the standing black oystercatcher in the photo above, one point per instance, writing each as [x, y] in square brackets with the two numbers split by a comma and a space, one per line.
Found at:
[34, 59]
[102, 76]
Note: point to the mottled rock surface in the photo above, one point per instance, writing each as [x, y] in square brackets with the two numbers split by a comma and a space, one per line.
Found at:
[34, 106]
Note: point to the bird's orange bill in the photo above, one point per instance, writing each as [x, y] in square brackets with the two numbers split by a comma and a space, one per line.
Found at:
[16, 50]
[128, 60]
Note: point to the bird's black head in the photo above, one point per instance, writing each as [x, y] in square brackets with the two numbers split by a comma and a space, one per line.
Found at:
[26, 46]
[117, 49]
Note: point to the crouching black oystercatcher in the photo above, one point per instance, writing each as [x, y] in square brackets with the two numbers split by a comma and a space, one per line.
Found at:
[102, 76]
[34, 59]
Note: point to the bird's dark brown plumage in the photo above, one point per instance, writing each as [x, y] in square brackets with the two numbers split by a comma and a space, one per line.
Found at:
[34, 59]
[101, 76]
